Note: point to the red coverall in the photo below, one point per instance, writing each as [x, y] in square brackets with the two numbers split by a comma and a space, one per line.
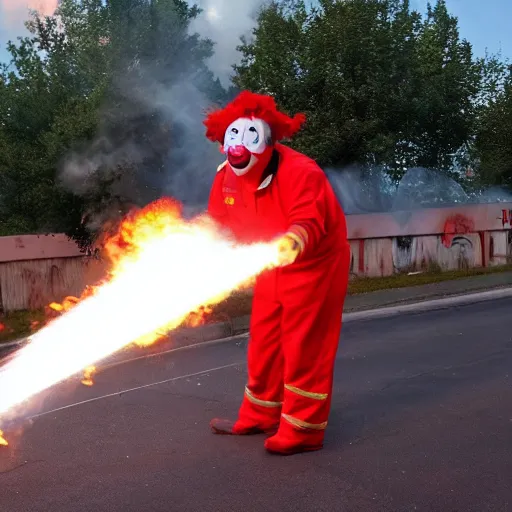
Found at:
[297, 310]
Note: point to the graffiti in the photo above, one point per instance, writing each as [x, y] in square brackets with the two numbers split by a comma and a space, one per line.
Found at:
[403, 252]
[456, 224]
[462, 219]
[506, 218]
[424, 252]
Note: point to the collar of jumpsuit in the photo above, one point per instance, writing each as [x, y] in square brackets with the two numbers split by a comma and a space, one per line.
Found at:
[250, 153]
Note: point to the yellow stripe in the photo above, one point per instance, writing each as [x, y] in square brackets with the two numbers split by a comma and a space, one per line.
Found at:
[304, 424]
[221, 166]
[257, 401]
[307, 394]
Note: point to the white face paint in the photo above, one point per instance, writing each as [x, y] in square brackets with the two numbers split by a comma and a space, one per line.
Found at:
[252, 134]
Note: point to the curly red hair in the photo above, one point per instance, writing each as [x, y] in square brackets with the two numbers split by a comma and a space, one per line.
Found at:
[250, 104]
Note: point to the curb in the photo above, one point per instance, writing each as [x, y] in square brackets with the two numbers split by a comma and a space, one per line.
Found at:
[239, 327]
[421, 306]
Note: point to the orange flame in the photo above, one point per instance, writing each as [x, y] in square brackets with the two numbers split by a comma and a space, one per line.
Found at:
[88, 373]
[164, 272]
[126, 242]
[3, 441]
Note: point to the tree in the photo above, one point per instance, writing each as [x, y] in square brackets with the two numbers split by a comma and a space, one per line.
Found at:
[494, 138]
[379, 84]
[81, 126]
[449, 83]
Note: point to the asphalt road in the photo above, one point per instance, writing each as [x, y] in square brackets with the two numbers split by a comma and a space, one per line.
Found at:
[421, 421]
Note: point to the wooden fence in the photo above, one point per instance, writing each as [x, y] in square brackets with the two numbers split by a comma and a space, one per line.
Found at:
[36, 270]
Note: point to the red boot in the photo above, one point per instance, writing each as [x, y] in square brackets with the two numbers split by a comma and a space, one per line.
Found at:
[237, 428]
[290, 440]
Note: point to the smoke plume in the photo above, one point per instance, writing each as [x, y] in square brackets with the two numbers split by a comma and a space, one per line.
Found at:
[190, 159]
[224, 22]
[366, 189]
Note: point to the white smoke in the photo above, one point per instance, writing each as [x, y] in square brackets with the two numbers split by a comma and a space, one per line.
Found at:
[225, 22]
[192, 159]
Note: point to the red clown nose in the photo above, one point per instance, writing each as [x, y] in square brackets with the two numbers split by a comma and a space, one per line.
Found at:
[239, 156]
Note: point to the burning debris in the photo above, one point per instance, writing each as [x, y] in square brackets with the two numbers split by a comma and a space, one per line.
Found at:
[88, 373]
[164, 272]
[3, 441]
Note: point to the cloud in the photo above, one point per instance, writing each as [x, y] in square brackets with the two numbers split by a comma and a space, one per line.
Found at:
[14, 14]
[224, 22]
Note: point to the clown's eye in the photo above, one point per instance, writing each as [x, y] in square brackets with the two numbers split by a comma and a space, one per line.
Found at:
[253, 130]
[234, 130]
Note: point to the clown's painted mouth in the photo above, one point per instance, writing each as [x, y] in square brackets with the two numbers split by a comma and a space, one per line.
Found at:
[239, 157]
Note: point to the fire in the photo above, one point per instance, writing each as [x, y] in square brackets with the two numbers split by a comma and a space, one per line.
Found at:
[163, 270]
[3, 441]
[88, 373]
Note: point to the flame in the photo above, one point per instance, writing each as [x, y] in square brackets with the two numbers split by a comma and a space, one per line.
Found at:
[164, 270]
[3, 441]
[88, 373]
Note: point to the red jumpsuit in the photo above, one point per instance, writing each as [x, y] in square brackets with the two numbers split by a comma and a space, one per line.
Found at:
[297, 310]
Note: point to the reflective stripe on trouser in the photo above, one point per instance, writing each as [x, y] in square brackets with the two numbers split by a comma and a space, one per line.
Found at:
[306, 410]
[261, 405]
[258, 401]
[311, 327]
[294, 341]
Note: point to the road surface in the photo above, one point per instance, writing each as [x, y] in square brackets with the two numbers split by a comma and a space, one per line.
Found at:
[421, 421]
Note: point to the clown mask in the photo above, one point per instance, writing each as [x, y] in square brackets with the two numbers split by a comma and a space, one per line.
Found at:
[248, 145]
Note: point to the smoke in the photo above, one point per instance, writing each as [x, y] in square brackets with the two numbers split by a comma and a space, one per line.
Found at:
[139, 163]
[363, 190]
[180, 162]
[175, 161]
[225, 22]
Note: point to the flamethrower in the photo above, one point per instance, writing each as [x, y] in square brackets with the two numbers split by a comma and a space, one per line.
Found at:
[163, 269]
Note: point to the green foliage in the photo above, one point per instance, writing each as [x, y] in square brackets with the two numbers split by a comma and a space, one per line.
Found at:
[75, 96]
[380, 84]
[494, 138]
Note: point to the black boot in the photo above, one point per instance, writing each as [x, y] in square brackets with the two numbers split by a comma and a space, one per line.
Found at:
[228, 427]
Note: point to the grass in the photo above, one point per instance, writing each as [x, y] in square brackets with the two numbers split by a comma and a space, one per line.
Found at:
[19, 324]
[372, 284]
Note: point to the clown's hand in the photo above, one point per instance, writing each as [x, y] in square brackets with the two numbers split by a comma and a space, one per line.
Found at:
[289, 250]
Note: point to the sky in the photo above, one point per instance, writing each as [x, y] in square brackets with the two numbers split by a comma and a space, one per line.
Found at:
[484, 24]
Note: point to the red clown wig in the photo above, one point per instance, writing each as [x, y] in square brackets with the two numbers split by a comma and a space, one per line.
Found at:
[249, 104]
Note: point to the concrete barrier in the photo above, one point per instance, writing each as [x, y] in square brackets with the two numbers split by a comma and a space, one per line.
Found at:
[38, 269]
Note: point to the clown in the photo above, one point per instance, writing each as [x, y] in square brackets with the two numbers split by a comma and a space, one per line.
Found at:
[266, 191]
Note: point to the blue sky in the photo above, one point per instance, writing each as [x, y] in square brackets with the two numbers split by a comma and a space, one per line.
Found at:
[484, 23]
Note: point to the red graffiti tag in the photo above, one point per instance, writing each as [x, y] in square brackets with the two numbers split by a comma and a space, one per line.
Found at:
[506, 217]
[456, 225]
